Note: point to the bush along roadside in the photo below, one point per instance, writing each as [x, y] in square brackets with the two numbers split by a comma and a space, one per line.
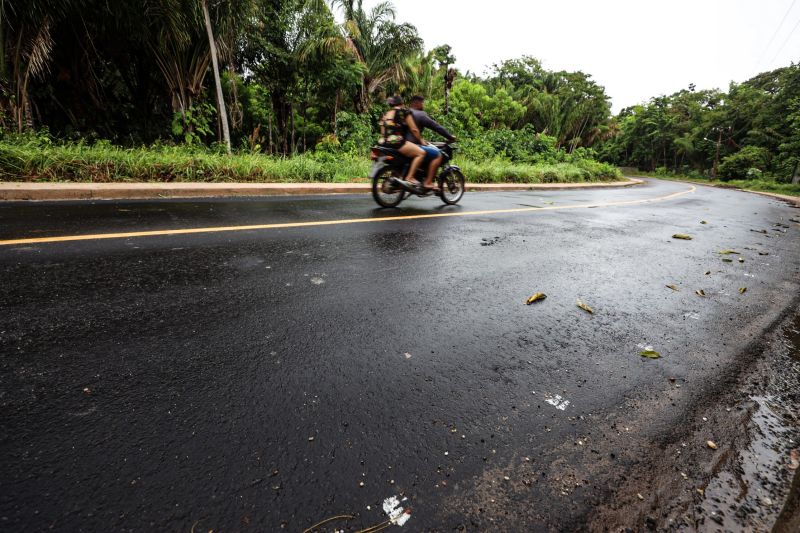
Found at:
[40, 159]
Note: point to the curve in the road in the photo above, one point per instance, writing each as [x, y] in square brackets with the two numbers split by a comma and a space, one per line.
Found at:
[187, 231]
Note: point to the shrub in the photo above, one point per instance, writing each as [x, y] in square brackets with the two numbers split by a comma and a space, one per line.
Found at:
[739, 164]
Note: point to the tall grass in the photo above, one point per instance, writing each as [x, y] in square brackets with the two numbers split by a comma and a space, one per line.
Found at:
[32, 159]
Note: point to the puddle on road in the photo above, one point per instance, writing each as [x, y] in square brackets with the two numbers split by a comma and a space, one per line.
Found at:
[749, 493]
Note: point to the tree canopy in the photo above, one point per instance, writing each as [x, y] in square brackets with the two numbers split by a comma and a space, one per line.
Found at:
[298, 74]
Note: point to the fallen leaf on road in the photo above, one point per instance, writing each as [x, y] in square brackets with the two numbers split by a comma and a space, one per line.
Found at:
[650, 354]
[711, 444]
[763, 253]
[794, 220]
[673, 287]
[741, 259]
[726, 260]
[536, 298]
[700, 292]
[728, 252]
[585, 307]
[407, 355]
[703, 222]
[639, 495]
[794, 459]
[708, 273]
[759, 231]
[682, 236]
[742, 290]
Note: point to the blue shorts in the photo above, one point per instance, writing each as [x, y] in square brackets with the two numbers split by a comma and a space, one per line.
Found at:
[431, 152]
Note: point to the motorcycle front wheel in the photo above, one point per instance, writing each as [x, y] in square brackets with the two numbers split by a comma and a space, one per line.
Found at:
[453, 185]
[384, 191]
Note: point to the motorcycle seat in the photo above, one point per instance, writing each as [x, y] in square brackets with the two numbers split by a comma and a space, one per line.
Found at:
[387, 151]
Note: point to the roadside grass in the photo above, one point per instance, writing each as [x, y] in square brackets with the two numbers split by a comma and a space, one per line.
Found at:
[44, 161]
[761, 185]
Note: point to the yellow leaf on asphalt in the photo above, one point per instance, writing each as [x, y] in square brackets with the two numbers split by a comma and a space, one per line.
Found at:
[742, 290]
[536, 297]
[585, 307]
[682, 236]
[700, 292]
[728, 252]
[650, 354]
[711, 444]
[673, 287]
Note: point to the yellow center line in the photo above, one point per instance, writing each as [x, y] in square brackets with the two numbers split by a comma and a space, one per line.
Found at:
[188, 231]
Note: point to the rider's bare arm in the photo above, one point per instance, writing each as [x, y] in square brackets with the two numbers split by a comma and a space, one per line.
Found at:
[412, 127]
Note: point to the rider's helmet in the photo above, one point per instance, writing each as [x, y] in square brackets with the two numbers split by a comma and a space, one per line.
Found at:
[395, 100]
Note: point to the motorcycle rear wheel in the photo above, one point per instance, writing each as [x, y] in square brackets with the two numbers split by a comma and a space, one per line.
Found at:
[384, 191]
[453, 185]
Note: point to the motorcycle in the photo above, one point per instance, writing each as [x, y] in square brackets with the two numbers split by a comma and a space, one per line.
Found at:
[390, 167]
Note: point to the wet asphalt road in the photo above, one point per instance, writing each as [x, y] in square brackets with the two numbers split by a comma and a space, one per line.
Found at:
[269, 379]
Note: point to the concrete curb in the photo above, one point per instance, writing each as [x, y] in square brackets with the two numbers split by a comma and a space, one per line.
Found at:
[794, 200]
[15, 191]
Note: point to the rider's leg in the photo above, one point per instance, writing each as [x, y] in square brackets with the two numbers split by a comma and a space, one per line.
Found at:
[433, 167]
[417, 155]
[434, 158]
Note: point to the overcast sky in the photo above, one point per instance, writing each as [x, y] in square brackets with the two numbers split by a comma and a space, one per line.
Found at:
[635, 48]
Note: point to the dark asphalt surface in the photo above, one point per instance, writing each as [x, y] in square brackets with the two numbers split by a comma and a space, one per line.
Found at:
[260, 380]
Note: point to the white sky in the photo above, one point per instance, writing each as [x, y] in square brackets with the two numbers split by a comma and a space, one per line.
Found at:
[636, 49]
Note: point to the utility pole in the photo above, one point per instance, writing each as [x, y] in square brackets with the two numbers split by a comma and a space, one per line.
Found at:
[729, 129]
[716, 156]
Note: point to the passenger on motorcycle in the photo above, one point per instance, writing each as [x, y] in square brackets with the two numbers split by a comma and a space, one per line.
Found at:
[423, 120]
[397, 126]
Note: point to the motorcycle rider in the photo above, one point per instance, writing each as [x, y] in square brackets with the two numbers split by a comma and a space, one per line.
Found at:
[423, 120]
[398, 131]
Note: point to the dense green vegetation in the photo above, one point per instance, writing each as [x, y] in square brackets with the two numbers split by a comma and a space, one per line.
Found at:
[110, 89]
[750, 132]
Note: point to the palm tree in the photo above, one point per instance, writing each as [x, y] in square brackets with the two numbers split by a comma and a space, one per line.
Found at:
[382, 45]
[180, 49]
[223, 115]
[26, 46]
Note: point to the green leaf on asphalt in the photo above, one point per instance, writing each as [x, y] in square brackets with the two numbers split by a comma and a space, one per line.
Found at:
[703, 222]
[650, 354]
[673, 287]
[742, 290]
[682, 236]
[728, 252]
[536, 298]
[700, 292]
[585, 307]
[726, 260]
